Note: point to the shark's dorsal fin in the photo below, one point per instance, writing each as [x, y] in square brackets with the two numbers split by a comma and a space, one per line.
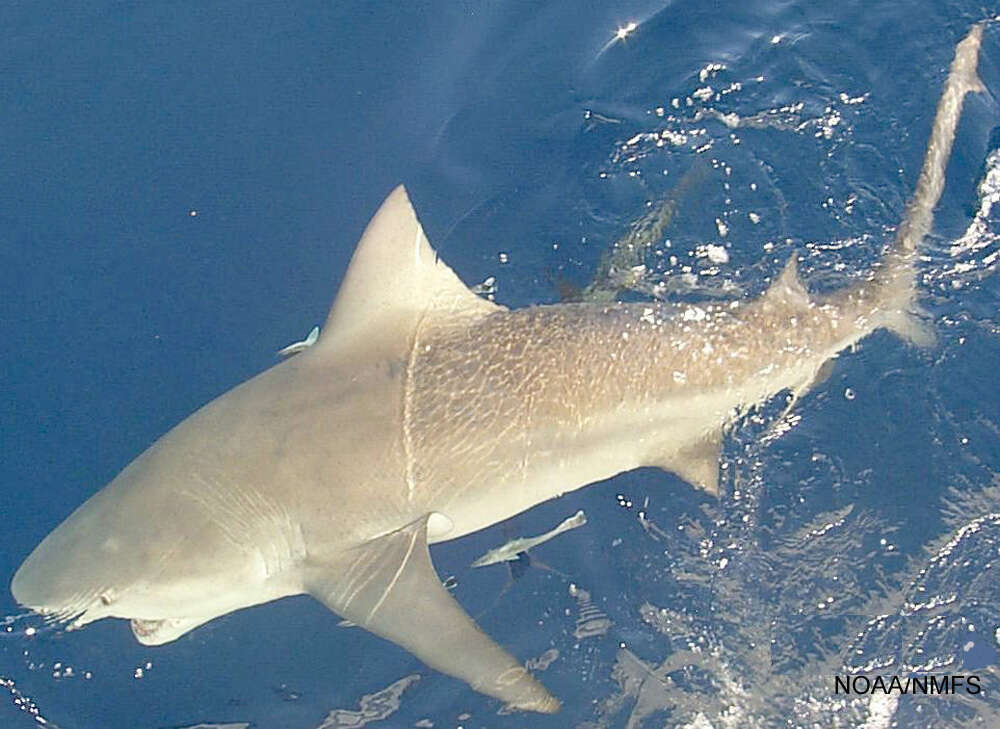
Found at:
[388, 586]
[395, 279]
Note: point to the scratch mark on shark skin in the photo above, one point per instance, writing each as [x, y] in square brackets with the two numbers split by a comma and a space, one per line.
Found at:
[355, 582]
[395, 578]
[410, 466]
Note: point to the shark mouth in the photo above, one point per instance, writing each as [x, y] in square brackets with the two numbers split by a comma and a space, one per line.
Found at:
[158, 632]
[146, 629]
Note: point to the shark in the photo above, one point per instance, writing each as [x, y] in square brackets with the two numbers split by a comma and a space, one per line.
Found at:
[423, 413]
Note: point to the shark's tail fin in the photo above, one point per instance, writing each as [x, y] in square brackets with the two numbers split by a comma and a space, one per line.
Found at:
[897, 278]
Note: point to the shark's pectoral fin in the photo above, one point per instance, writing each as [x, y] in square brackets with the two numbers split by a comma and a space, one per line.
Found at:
[389, 587]
[698, 464]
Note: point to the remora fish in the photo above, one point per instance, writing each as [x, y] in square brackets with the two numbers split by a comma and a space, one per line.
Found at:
[424, 413]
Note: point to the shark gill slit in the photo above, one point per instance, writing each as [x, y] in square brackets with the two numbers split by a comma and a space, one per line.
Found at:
[206, 502]
[234, 516]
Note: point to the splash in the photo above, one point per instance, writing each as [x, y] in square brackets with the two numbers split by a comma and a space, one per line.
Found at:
[976, 251]
[25, 703]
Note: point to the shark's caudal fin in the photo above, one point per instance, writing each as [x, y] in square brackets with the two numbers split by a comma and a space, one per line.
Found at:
[395, 280]
[389, 586]
[896, 280]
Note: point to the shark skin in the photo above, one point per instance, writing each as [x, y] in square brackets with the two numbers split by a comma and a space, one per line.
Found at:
[424, 413]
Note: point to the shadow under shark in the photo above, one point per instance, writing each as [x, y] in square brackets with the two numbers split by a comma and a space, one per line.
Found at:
[424, 413]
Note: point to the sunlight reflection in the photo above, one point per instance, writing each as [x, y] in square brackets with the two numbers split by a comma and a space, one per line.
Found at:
[620, 35]
[625, 31]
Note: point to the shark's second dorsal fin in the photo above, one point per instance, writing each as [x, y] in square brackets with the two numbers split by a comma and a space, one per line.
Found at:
[787, 289]
[395, 279]
[388, 586]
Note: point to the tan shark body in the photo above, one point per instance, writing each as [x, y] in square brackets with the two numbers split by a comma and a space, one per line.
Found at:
[424, 413]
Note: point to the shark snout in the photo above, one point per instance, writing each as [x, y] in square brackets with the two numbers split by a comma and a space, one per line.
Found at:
[68, 576]
[24, 586]
[46, 587]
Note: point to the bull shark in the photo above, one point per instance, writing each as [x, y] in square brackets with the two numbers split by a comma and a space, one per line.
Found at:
[423, 413]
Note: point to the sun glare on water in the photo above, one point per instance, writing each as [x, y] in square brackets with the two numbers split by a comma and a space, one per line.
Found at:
[619, 35]
[624, 31]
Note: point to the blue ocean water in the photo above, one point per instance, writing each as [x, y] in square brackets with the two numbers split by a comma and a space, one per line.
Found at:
[183, 187]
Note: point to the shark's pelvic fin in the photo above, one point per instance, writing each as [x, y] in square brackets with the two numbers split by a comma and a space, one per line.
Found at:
[389, 586]
[911, 327]
[395, 279]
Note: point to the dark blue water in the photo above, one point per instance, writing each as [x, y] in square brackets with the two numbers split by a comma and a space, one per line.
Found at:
[182, 186]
